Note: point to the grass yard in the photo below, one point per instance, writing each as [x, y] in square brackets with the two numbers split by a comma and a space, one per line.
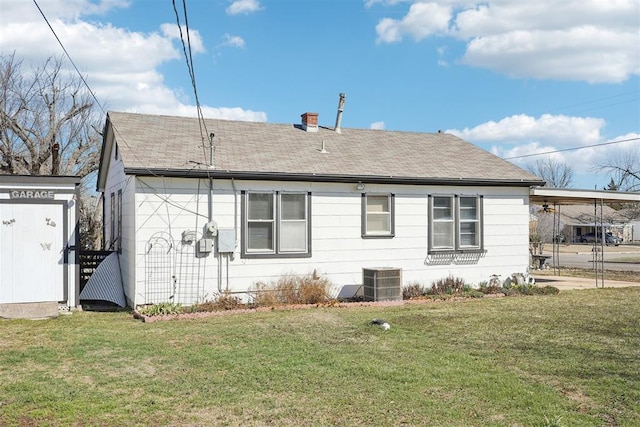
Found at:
[571, 359]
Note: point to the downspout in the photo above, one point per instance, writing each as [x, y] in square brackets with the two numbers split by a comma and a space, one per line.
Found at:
[210, 216]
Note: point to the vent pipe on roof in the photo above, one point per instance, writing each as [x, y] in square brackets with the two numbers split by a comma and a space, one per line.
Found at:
[339, 115]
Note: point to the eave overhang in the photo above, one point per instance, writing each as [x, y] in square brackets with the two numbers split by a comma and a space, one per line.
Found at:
[313, 177]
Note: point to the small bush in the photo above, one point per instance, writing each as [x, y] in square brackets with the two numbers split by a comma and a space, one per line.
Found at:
[546, 290]
[487, 288]
[413, 290]
[222, 302]
[160, 309]
[293, 289]
[473, 293]
[263, 295]
[448, 286]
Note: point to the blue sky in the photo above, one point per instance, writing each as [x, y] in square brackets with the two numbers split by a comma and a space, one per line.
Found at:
[516, 78]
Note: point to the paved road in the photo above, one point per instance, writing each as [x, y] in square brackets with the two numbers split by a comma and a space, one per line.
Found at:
[565, 283]
[585, 260]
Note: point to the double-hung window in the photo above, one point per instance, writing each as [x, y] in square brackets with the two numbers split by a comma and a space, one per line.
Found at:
[276, 224]
[455, 223]
[378, 215]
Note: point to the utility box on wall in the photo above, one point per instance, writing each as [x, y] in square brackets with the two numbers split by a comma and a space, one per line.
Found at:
[382, 284]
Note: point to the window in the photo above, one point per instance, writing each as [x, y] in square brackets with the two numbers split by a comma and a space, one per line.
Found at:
[112, 217]
[119, 235]
[455, 223]
[378, 216]
[276, 224]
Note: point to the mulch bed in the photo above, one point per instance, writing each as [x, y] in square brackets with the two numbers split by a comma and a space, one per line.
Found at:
[206, 314]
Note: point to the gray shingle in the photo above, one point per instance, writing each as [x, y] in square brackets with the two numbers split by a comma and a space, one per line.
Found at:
[176, 143]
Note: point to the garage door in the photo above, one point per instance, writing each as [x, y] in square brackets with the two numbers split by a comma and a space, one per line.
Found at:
[31, 253]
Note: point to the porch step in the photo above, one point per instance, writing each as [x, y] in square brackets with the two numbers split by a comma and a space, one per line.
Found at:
[29, 310]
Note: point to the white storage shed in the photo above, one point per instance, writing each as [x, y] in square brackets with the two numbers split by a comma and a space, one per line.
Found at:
[38, 244]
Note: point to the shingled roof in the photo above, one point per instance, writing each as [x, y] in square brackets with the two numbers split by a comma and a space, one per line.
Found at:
[167, 145]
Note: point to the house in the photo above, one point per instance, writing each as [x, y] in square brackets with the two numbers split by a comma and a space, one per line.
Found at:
[39, 241]
[578, 220]
[200, 207]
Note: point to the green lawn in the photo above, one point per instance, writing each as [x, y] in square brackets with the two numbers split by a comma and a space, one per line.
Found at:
[571, 359]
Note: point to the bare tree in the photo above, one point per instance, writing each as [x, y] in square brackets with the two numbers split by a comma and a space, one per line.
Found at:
[624, 168]
[48, 126]
[555, 173]
[47, 121]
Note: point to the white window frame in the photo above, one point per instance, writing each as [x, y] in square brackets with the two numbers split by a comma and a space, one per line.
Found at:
[368, 234]
[457, 223]
[277, 250]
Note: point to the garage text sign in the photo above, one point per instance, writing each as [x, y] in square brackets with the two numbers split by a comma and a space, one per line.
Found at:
[32, 194]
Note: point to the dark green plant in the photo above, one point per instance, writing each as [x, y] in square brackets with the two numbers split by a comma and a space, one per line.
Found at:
[160, 309]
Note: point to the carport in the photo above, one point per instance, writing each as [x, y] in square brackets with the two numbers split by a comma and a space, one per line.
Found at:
[552, 199]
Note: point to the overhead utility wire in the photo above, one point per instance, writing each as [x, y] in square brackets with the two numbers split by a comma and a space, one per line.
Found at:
[189, 60]
[571, 149]
[68, 56]
[593, 101]
[115, 129]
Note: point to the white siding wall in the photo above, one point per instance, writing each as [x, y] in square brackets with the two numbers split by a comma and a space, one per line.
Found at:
[172, 205]
[117, 180]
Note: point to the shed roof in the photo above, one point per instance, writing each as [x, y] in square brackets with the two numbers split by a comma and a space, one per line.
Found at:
[179, 146]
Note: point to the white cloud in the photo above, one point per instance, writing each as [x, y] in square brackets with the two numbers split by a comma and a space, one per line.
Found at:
[371, 3]
[422, 20]
[244, 6]
[577, 141]
[233, 41]
[226, 113]
[377, 125]
[173, 32]
[590, 40]
[121, 66]
[559, 130]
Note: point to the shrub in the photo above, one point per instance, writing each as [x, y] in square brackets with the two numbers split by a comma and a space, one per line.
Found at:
[474, 293]
[223, 301]
[413, 290]
[545, 290]
[447, 286]
[293, 289]
[263, 295]
[160, 309]
[486, 288]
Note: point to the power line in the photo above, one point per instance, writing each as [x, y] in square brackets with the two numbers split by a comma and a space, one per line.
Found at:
[571, 149]
[189, 60]
[69, 57]
[115, 129]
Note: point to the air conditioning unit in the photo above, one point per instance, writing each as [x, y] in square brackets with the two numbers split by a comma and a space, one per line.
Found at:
[382, 284]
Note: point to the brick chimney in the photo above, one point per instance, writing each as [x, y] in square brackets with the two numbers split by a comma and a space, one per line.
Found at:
[310, 122]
